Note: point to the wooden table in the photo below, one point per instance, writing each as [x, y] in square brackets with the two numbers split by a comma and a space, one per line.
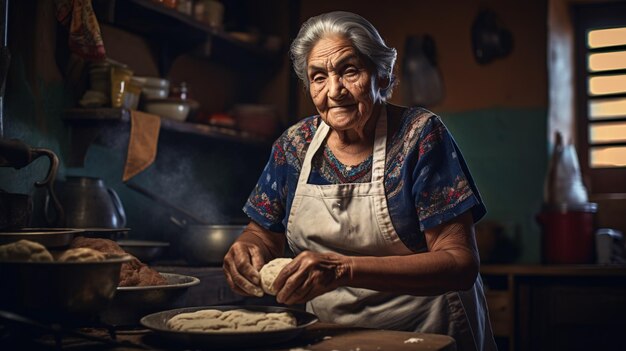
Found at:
[317, 337]
[328, 337]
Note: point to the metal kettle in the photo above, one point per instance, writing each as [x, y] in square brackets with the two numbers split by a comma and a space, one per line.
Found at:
[89, 203]
[16, 209]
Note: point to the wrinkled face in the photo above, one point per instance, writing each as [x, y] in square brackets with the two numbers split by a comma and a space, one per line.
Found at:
[341, 84]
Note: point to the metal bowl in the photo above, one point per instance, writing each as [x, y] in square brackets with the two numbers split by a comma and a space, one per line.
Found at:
[207, 244]
[133, 302]
[59, 291]
[48, 237]
[145, 251]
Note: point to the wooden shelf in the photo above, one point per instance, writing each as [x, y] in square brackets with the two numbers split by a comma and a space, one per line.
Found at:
[172, 33]
[89, 123]
[95, 115]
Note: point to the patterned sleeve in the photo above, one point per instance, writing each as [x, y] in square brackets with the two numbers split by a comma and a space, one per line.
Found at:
[266, 204]
[443, 187]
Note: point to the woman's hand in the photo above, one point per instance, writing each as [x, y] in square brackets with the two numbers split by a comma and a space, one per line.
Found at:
[311, 274]
[254, 247]
[241, 267]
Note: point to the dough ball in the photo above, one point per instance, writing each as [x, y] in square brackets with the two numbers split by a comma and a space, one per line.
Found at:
[81, 254]
[25, 250]
[270, 271]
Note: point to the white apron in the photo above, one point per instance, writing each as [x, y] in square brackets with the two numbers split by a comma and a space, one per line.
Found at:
[353, 219]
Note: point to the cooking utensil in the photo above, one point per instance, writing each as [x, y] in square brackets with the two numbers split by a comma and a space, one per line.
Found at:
[133, 302]
[14, 153]
[207, 244]
[48, 237]
[157, 322]
[145, 251]
[59, 291]
[89, 203]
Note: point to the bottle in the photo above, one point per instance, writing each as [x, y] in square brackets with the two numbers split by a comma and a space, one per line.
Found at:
[180, 91]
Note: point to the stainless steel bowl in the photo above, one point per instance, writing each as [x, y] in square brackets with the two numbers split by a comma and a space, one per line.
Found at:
[207, 244]
[59, 291]
[133, 302]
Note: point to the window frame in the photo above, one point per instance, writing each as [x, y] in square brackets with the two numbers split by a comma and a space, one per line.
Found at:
[596, 16]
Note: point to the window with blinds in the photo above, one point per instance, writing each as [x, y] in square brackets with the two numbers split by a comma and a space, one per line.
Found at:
[601, 98]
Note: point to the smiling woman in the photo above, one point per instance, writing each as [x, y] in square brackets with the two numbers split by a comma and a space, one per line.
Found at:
[341, 89]
[375, 200]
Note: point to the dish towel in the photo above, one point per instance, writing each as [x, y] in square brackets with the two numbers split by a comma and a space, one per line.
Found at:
[142, 145]
[85, 39]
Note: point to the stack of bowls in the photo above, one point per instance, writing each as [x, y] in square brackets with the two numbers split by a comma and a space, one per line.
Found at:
[153, 87]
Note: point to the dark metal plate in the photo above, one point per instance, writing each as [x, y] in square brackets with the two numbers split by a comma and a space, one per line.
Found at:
[133, 302]
[106, 233]
[157, 322]
[48, 237]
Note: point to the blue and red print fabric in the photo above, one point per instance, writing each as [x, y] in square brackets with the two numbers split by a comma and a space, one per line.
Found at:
[426, 179]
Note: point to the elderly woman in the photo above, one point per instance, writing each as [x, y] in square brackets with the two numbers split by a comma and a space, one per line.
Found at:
[375, 200]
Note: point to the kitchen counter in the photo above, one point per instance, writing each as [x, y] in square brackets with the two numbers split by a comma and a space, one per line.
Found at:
[561, 270]
[317, 337]
[556, 307]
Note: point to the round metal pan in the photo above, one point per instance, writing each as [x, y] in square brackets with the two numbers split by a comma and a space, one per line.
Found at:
[48, 237]
[59, 291]
[133, 302]
[106, 233]
[157, 322]
[145, 251]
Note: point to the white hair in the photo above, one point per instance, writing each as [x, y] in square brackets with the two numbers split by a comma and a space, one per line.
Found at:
[361, 33]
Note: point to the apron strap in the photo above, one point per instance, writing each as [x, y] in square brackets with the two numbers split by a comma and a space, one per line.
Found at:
[379, 153]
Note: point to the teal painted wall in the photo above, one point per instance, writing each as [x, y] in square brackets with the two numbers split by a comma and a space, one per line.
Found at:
[506, 150]
[32, 114]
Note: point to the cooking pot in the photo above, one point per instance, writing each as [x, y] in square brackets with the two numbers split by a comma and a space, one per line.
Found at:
[89, 203]
[207, 244]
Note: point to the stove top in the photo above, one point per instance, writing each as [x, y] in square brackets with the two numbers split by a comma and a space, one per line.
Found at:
[21, 333]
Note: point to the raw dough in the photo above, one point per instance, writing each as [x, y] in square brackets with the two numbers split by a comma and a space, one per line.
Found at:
[133, 273]
[231, 321]
[25, 250]
[81, 254]
[270, 271]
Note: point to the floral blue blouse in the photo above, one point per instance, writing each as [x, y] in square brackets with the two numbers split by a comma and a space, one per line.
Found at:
[426, 179]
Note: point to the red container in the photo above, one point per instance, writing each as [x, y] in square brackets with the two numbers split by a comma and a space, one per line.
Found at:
[567, 233]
